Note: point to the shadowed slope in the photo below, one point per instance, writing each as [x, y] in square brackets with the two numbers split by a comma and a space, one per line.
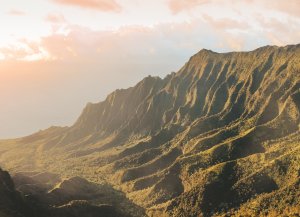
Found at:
[33, 196]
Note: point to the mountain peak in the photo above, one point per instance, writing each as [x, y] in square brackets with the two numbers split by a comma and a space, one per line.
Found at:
[205, 51]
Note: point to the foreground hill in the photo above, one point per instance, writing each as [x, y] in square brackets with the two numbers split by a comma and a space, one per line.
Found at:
[219, 136]
[32, 194]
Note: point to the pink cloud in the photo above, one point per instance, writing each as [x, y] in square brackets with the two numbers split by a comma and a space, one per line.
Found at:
[55, 18]
[225, 23]
[177, 6]
[154, 44]
[15, 12]
[24, 50]
[291, 7]
[101, 5]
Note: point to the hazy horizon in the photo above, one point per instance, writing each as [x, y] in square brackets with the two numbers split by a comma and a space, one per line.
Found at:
[58, 55]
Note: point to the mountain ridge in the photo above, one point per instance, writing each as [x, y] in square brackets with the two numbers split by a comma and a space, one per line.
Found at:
[172, 74]
[173, 143]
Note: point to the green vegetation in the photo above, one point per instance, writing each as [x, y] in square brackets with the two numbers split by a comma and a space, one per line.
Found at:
[221, 137]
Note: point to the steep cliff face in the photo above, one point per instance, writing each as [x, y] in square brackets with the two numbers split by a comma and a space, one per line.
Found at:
[221, 135]
[211, 86]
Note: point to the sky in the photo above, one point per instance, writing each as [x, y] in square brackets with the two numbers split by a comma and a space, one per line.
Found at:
[58, 55]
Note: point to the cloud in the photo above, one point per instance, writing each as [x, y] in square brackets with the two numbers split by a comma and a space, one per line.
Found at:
[225, 23]
[279, 32]
[15, 12]
[55, 18]
[152, 45]
[25, 51]
[290, 7]
[100, 5]
[177, 6]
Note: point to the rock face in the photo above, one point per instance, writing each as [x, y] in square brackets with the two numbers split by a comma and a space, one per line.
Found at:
[219, 136]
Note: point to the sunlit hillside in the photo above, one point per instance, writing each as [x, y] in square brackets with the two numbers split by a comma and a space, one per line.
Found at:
[220, 137]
